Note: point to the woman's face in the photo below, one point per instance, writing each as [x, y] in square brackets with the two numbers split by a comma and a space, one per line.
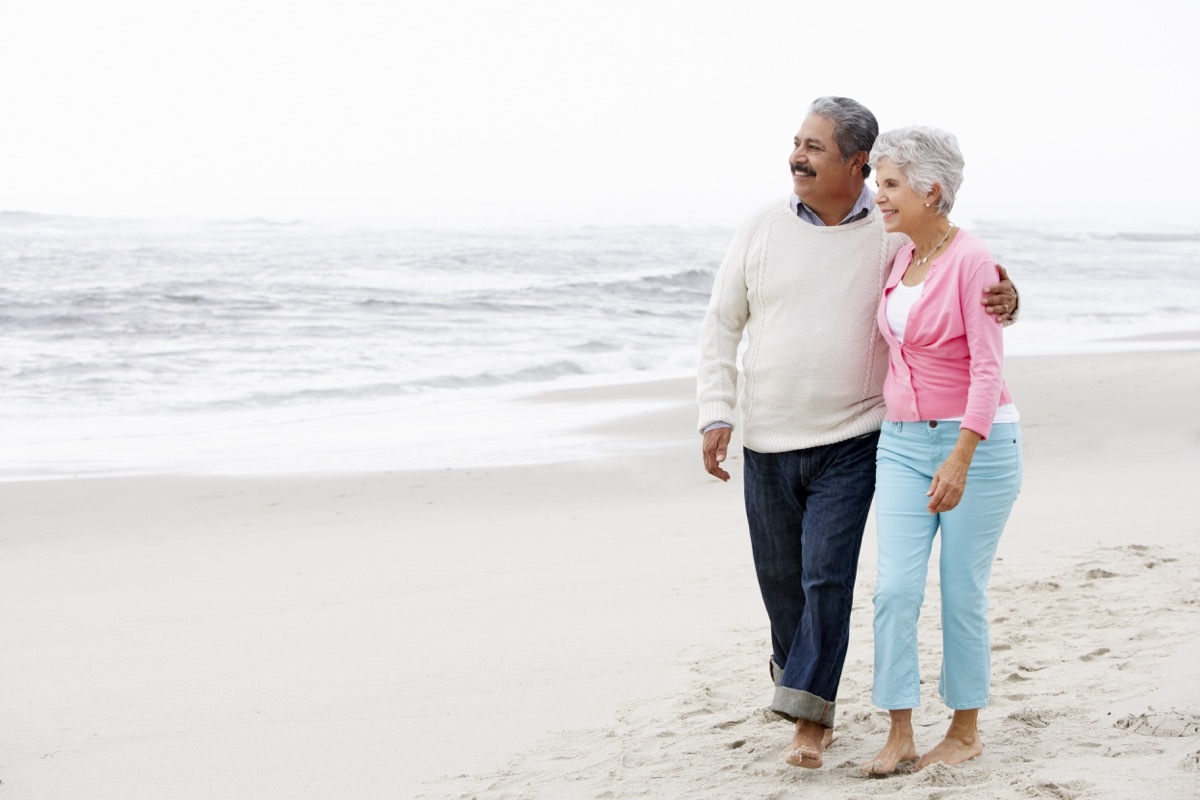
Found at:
[902, 209]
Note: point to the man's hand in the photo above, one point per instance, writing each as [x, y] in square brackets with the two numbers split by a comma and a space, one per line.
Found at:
[1000, 299]
[716, 444]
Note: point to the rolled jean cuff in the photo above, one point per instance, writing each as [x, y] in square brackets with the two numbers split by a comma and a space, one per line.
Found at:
[797, 704]
[776, 673]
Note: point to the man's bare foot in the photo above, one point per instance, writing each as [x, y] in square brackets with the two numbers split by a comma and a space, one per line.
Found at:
[804, 757]
[899, 751]
[952, 750]
[808, 745]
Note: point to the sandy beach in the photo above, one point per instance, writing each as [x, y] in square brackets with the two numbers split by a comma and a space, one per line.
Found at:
[588, 629]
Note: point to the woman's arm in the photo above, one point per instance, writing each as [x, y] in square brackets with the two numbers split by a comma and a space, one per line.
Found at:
[985, 346]
[985, 350]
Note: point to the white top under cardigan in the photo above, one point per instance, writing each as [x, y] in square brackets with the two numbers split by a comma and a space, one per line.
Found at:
[899, 303]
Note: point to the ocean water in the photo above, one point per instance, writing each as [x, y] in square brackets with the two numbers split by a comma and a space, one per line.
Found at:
[139, 346]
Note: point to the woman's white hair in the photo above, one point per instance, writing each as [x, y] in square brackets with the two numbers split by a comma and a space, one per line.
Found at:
[926, 156]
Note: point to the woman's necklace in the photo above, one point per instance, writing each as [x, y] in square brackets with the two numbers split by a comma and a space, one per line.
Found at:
[920, 262]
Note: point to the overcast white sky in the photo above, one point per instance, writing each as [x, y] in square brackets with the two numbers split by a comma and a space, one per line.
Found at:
[623, 111]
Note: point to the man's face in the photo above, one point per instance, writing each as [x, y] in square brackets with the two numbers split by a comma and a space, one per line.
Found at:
[819, 175]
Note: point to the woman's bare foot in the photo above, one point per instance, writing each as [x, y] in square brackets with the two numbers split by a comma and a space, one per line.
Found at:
[808, 745]
[891, 758]
[962, 742]
[899, 748]
[951, 750]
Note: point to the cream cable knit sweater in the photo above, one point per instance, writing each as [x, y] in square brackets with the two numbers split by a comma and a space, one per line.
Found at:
[805, 296]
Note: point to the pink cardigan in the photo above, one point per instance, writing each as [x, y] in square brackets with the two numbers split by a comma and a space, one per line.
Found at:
[952, 359]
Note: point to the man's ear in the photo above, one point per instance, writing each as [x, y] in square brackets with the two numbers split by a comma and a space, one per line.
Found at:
[857, 161]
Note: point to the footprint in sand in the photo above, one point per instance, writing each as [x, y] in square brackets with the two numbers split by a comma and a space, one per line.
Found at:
[1043, 586]
[729, 723]
[645, 752]
[943, 776]
[1059, 791]
[1168, 724]
[1031, 718]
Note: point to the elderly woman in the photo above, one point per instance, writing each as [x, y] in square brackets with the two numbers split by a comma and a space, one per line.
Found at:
[949, 454]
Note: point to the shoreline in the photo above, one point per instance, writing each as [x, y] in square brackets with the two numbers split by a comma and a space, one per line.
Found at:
[588, 625]
[554, 423]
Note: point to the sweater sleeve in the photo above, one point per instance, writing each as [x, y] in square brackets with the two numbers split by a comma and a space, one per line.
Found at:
[985, 344]
[721, 332]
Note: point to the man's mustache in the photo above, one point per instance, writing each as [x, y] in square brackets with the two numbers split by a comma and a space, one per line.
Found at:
[802, 169]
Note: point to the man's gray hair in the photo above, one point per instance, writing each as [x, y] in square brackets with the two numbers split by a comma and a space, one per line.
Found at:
[926, 156]
[855, 127]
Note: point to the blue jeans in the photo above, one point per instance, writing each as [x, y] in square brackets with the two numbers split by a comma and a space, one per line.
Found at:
[807, 510]
[909, 454]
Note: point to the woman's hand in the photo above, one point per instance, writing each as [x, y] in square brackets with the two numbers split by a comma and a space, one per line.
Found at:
[950, 480]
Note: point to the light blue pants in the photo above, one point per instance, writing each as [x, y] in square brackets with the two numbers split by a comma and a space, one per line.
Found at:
[909, 454]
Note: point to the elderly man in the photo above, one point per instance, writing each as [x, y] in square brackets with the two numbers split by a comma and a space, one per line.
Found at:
[802, 282]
